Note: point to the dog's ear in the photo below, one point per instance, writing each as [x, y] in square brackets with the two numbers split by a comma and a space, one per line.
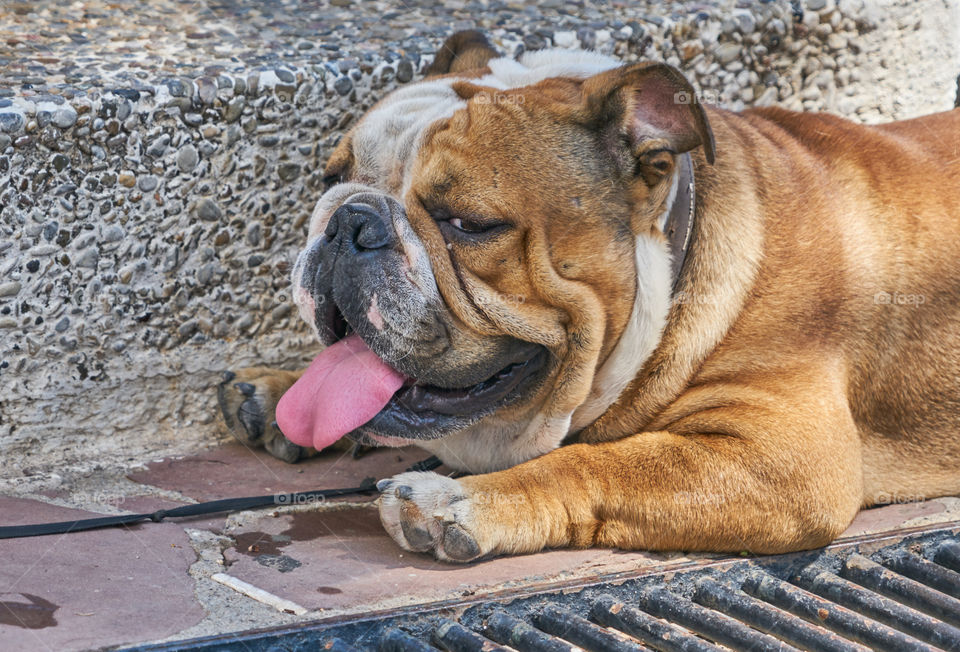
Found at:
[649, 107]
[464, 51]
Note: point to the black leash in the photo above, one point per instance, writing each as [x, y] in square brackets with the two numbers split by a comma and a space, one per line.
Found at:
[368, 486]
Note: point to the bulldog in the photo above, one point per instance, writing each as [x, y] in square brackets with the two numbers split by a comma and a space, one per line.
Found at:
[638, 321]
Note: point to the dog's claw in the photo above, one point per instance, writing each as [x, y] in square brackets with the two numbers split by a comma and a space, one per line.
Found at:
[251, 418]
[459, 545]
[418, 538]
[246, 389]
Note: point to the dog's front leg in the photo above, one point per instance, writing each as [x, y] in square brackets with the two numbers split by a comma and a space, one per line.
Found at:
[774, 485]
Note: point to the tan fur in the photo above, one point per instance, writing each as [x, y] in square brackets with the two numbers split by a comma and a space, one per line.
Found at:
[818, 399]
[465, 51]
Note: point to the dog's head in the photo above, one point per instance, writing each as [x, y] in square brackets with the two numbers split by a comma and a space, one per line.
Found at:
[494, 233]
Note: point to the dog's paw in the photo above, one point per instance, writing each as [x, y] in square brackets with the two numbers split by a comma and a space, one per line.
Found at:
[247, 401]
[428, 512]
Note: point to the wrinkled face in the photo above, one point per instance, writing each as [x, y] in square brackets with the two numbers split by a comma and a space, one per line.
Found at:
[485, 242]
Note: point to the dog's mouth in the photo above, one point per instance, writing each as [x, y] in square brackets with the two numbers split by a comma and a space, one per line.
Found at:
[349, 389]
[464, 401]
[335, 324]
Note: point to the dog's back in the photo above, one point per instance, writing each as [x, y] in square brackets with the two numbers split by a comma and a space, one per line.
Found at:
[881, 251]
[910, 386]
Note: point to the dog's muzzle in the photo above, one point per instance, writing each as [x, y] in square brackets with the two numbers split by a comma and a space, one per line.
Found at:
[368, 273]
[360, 227]
[348, 257]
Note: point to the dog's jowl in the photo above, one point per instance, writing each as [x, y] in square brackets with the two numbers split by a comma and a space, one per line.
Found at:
[640, 321]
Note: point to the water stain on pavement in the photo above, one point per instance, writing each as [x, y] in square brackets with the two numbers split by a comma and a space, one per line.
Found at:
[35, 614]
[281, 563]
[307, 526]
[254, 544]
[329, 590]
[267, 549]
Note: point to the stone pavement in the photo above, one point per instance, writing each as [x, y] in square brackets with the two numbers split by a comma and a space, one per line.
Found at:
[153, 582]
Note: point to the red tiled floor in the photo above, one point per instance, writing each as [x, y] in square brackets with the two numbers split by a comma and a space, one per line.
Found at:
[91, 589]
[235, 470]
[123, 586]
[344, 561]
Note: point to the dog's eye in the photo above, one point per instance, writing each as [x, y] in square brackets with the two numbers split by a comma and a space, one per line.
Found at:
[468, 230]
[467, 225]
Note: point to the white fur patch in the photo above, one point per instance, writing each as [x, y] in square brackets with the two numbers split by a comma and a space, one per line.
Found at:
[641, 335]
[534, 67]
[542, 436]
[671, 198]
[497, 443]
[389, 137]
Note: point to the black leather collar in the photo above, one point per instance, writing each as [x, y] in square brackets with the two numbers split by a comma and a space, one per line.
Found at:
[679, 225]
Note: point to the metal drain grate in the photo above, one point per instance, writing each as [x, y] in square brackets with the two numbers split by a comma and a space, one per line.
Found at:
[893, 593]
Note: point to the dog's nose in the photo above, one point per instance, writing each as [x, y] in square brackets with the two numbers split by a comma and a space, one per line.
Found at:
[360, 226]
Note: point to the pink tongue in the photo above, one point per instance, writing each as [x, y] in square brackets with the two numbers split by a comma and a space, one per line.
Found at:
[343, 388]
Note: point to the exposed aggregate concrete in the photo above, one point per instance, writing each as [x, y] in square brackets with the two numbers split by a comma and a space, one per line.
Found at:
[158, 162]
